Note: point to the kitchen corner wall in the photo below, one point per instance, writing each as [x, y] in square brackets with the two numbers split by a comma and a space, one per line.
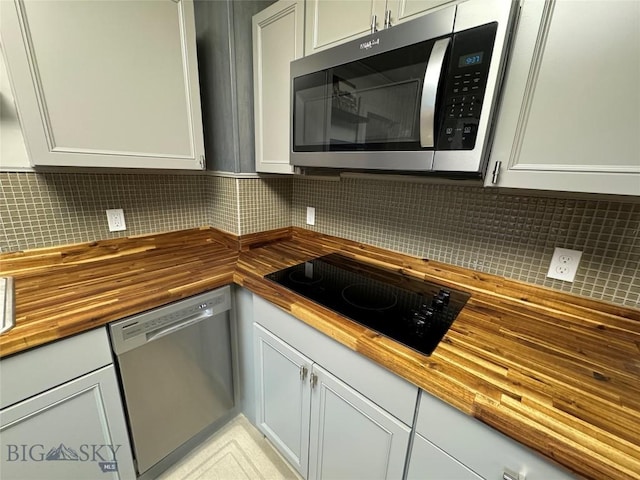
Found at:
[249, 205]
[48, 209]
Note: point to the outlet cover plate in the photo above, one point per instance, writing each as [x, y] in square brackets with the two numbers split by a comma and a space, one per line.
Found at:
[564, 264]
[115, 217]
[311, 216]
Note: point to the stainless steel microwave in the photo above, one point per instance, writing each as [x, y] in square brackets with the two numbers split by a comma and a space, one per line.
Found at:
[417, 97]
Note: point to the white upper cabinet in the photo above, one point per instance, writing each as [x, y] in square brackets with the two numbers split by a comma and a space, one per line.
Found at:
[329, 23]
[13, 154]
[106, 83]
[570, 115]
[403, 10]
[278, 38]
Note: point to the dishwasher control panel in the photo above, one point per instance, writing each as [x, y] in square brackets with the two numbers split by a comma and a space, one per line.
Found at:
[138, 329]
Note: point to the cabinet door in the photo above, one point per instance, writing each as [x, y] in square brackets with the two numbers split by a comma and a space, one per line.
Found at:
[106, 84]
[329, 23]
[283, 397]
[429, 462]
[403, 10]
[278, 38]
[351, 437]
[74, 431]
[569, 117]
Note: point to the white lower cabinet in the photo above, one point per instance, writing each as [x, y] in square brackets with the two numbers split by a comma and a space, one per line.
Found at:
[351, 437]
[75, 430]
[283, 397]
[334, 414]
[324, 427]
[478, 450]
[429, 462]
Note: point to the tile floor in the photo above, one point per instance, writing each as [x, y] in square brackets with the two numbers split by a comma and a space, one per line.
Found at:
[237, 452]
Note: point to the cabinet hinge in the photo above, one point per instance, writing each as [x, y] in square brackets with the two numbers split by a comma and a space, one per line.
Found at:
[496, 172]
[313, 380]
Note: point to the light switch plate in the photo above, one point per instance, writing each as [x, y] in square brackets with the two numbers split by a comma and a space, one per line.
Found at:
[564, 264]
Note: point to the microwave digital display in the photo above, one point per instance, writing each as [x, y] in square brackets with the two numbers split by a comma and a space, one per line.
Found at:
[470, 59]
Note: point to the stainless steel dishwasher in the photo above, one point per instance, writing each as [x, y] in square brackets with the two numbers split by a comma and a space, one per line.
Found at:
[176, 370]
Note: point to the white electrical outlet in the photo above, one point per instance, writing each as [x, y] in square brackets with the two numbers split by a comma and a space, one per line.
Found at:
[115, 217]
[311, 216]
[564, 264]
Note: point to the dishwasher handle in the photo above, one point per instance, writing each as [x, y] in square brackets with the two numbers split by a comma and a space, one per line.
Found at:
[183, 323]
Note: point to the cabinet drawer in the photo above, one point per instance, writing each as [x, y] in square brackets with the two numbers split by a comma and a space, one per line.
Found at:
[34, 371]
[479, 447]
[392, 393]
[429, 462]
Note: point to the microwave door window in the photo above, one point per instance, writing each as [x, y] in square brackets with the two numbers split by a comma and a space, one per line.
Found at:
[389, 113]
[310, 112]
[370, 104]
[375, 101]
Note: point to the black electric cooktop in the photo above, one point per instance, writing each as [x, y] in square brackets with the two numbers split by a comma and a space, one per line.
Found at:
[413, 312]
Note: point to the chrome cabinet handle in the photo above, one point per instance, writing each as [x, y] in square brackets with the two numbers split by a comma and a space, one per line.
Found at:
[387, 19]
[496, 172]
[303, 372]
[430, 92]
[374, 23]
[509, 474]
[7, 305]
[313, 380]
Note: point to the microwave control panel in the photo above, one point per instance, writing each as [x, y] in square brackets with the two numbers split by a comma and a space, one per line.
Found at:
[464, 86]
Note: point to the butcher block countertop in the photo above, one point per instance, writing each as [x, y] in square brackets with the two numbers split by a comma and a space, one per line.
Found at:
[556, 372]
[61, 291]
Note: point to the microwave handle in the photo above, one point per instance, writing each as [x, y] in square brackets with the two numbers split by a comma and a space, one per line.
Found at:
[430, 92]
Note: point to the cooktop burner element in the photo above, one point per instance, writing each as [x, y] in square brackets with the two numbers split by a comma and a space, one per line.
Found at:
[413, 312]
[358, 295]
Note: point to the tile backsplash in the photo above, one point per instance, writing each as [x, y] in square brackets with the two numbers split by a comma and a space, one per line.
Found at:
[490, 230]
[48, 209]
[249, 205]
[222, 203]
[265, 204]
[498, 231]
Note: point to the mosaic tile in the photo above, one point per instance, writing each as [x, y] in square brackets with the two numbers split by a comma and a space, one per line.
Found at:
[489, 230]
[48, 209]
